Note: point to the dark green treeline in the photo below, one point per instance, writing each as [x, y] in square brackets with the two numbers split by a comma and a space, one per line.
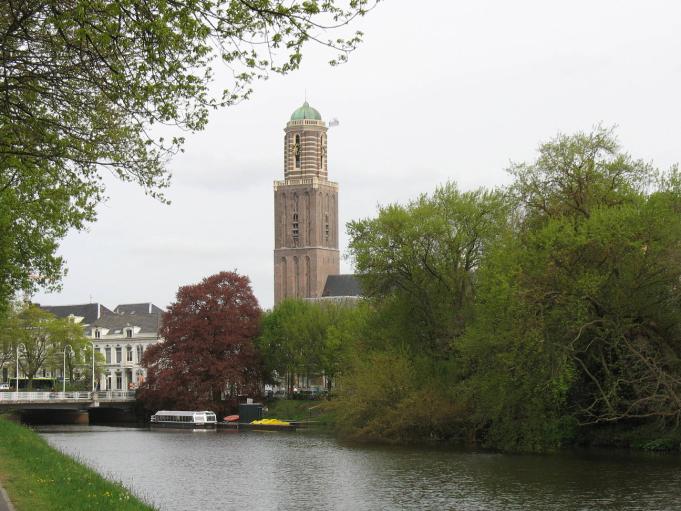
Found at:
[526, 318]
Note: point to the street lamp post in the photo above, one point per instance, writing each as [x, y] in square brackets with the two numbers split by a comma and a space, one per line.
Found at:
[17, 368]
[63, 374]
[92, 345]
[17, 373]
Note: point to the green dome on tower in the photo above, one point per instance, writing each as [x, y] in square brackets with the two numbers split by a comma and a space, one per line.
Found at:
[306, 112]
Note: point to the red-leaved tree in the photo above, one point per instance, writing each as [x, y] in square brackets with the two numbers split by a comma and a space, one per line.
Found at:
[207, 356]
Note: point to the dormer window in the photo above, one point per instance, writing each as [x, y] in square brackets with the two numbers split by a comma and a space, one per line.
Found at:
[98, 334]
[128, 332]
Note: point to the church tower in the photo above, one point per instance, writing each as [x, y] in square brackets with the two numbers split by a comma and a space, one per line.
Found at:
[305, 211]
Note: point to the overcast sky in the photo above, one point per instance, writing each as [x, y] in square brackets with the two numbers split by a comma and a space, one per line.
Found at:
[440, 90]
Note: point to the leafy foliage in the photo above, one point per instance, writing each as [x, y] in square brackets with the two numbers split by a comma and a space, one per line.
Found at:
[85, 84]
[208, 354]
[536, 313]
[300, 337]
[420, 259]
[41, 339]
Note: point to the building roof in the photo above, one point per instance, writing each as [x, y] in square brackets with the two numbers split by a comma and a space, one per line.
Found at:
[341, 286]
[138, 308]
[147, 323]
[306, 112]
[90, 312]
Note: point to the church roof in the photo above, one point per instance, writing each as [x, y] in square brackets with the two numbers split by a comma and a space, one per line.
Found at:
[306, 112]
[342, 286]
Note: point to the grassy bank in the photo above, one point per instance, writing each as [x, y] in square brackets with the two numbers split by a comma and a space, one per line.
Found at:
[36, 476]
[319, 413]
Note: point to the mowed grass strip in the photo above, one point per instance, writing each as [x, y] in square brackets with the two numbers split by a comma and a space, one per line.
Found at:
[38, 477]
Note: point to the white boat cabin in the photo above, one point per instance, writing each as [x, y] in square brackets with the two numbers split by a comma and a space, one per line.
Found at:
[187, 418]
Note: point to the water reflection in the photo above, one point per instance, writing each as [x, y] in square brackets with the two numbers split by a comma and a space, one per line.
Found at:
[260, 470]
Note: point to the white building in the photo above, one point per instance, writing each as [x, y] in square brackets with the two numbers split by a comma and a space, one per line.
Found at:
[121, 336]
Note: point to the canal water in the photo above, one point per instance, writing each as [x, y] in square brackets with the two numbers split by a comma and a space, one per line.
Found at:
[226, 470]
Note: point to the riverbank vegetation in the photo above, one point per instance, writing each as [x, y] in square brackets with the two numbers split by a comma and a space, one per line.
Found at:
[320, 413]
[36, 476]
[524, 318]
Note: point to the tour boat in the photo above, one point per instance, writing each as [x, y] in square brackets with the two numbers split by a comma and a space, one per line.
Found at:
[184, 419]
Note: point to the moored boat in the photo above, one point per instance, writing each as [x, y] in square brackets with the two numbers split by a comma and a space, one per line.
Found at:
[184, 419]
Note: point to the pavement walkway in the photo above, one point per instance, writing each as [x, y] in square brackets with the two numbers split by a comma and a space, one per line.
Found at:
[5, 504]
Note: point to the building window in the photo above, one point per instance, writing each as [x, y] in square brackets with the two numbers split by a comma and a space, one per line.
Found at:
[119, 355]
[97, 350]
[97, 334]
[119, 381]
[326, 228]
[321, 152]
[296, 150]
[140, 352]
[107, 352]
[128, 354]
[128, 333]
[296, 230]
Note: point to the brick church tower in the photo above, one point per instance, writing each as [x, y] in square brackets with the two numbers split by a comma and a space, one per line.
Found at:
[305, 211]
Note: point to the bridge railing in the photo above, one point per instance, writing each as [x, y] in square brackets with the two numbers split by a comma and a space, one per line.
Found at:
[108, 395]
[114, 395]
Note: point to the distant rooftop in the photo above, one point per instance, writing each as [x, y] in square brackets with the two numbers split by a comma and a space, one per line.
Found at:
[90, 312]
[138, 308]
[345, 285]
[93, 313]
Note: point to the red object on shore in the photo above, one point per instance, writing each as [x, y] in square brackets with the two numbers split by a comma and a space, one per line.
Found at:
[232, 418]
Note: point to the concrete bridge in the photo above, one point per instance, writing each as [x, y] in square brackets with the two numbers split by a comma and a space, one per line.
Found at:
[66, 400]
[70, 407]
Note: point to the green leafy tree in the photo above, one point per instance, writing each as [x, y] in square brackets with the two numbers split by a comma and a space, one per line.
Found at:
[7, 347]
[32, 334]
[69, 345]
[418, 265]
[281, 341]
[419, 261]
[86, 83]
[585, 293]
[308, 338]
[41, 340]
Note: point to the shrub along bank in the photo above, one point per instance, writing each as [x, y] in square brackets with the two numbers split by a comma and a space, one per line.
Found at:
[36, 476]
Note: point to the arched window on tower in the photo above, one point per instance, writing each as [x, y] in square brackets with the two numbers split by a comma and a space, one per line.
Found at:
[296, 150]
[322, 151]
[284, 278]
[326, 226]
[295, 230]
